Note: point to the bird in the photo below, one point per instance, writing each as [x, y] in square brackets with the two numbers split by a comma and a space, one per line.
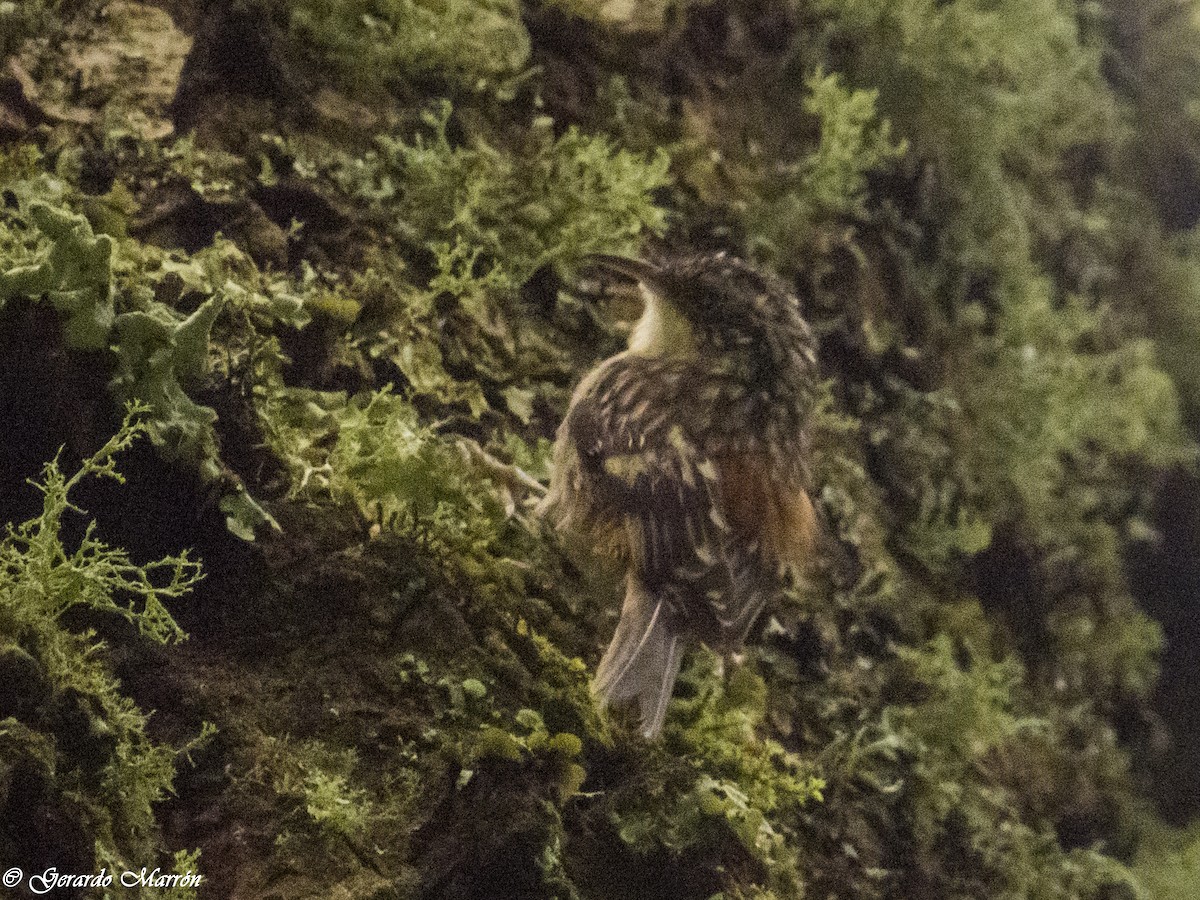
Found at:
[685, 456]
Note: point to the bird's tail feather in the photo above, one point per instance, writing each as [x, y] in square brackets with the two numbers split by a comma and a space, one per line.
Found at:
[642, 661]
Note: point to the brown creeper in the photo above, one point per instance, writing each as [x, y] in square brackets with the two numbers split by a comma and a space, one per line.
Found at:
[685, 455]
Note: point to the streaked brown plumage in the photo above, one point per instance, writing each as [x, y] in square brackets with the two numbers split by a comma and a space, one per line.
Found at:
[685, 456]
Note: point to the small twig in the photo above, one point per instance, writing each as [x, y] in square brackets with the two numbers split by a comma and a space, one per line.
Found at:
[512, 476]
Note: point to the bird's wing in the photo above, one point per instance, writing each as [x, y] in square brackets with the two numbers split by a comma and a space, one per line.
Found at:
[636, 451]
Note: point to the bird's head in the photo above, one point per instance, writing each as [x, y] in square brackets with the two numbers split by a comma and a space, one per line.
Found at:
[712, 303]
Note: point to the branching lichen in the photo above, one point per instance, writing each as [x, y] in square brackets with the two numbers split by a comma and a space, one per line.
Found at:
[41, 580]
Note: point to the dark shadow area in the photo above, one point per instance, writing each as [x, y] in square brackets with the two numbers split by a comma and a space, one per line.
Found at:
[1166, 580]
[56, 404]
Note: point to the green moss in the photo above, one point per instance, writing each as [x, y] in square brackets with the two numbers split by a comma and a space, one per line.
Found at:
[470, 44]
[372, 450]
[1168, 865]
[720, 779]
[509, 211]
[990, 94]
[829, 184]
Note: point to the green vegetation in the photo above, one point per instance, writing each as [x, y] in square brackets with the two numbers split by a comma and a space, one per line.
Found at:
[830, 182]
[550, 200]
[1169, 866]
[66, 719]
[344, 309]
[157, 349]
[467, 44]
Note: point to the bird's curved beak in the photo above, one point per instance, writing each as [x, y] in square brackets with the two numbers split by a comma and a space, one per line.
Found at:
[634, 269]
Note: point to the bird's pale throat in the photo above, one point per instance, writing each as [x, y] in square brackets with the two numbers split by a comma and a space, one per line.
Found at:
[662, 330]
